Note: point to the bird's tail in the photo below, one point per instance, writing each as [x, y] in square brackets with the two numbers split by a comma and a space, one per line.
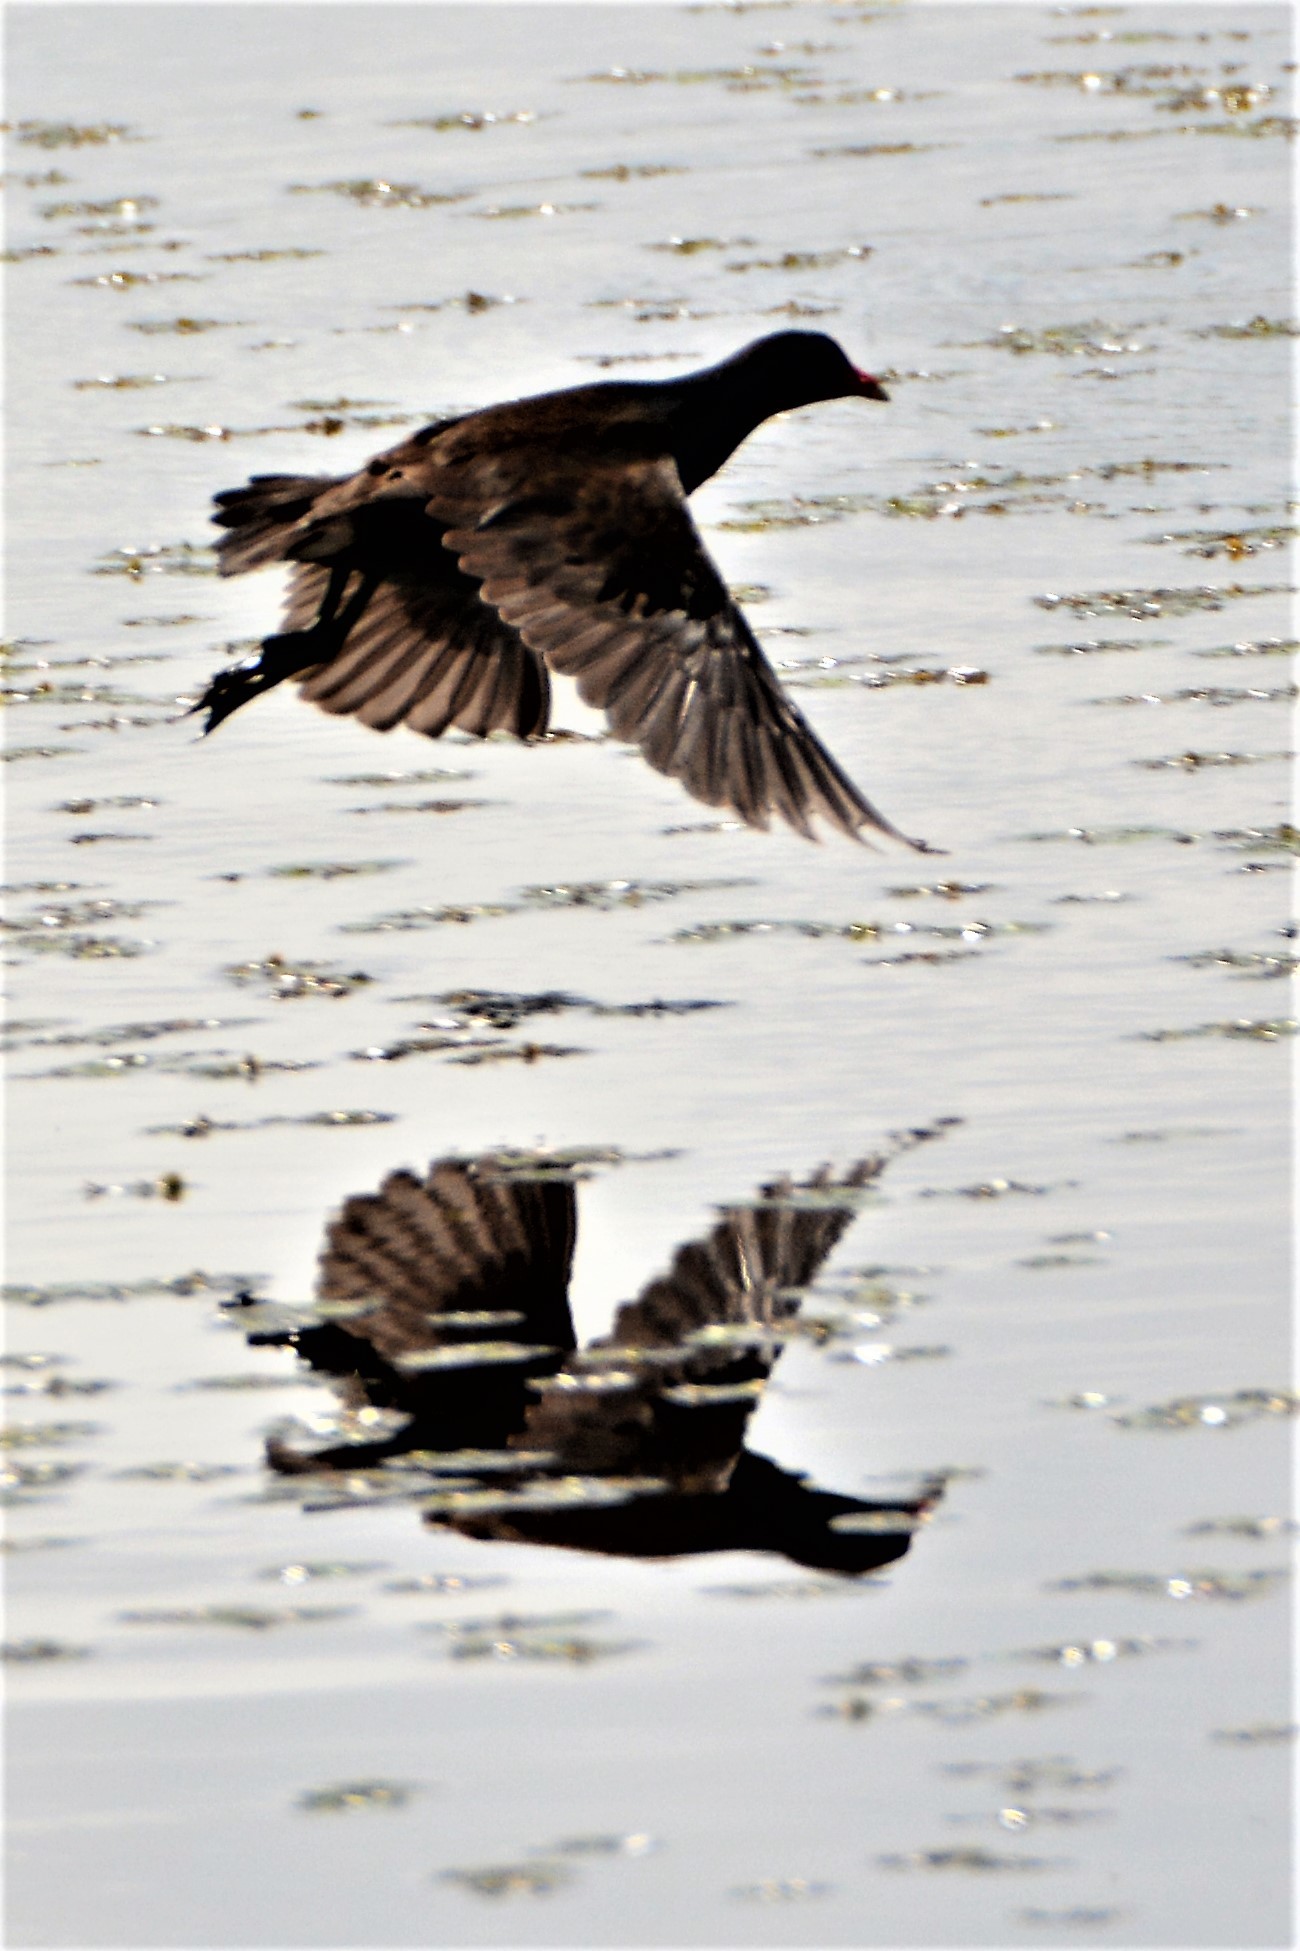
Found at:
[262, 518]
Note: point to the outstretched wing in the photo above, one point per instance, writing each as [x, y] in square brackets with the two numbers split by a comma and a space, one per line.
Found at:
[424, 653]
[669, 1393]
[425, 650]
[606, 574]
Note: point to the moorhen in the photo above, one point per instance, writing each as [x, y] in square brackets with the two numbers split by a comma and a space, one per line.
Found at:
[436, 585]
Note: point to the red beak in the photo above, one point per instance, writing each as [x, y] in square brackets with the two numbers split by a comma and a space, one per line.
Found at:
[868, 387]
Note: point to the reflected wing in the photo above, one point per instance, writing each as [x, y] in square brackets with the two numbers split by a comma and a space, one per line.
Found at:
[606, 574]
[463, 1241]
[670, 1392]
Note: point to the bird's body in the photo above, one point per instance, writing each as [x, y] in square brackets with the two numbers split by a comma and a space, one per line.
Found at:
[443, 1309]
[442, 583]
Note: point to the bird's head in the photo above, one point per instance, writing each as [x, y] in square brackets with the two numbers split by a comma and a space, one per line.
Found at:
[796, 368]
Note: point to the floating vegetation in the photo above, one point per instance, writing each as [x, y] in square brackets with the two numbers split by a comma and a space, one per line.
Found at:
[168, 1185]
[1092, 338]
[1214, 1411]
[1103, 1652]
[1258, 647]
[113, 1033]
[894, 1673]
[745, 79]
[36, 1652]
[947, 890]
[1113, 836]
[346, 1795]
[515, 1636]
[331, 870]
[417, 1046]
[288, 981]
[245, 1618]
[47, 693]
[871, 1354]
[1208, 694]
[22, 1483]
[691, 247]
[1264, 1734]
[75, 135]
[532, 209]
[182, 1286]
[117, 206]
[1177, 1585]
[159, 559]
[524, 1053]
[1235, 543]
[183, 326]
[1204, 761]
[1255, 1528]
[1144, 603]
[1249, 1029]
[45, 1436]
[1090, 647]
[860, 931]
[804, 260]
[882, 680]
[437, 775]
[506, 1010]
[976, 1861]
[203, 1127]
[1258, 327]
[49, 1385]
[1220, 213]
[603, 896]
[124, 800]
[624, 172]
[882, 148]
[1077, 1915]
[181, 1472]
[570, 1649]
[288, 251]
[1267, 963]
[341, 1797]
[128, 280]
[475, 119]
[781, 1890]
[14, 753]
[989, 1189]
[373, 193]
[1034, 1773]
[1281, 839]
[636, 1844]
[422, 806]
[236, 1384]
[530, 1879]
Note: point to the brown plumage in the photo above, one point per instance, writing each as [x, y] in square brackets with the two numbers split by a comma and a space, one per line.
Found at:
[440, 584]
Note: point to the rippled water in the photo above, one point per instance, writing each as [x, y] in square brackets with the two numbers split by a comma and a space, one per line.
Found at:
[1038, 605]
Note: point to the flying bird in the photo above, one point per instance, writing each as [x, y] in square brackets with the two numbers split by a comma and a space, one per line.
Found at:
[442, 583]
[443, 1314]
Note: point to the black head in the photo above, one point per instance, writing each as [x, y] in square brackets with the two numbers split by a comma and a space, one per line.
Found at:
[795, 368]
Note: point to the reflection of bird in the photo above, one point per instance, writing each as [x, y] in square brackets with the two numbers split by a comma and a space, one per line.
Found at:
[446, 1300]
[439, 584]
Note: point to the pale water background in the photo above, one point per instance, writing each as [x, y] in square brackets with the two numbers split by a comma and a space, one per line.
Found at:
[1106, 1233]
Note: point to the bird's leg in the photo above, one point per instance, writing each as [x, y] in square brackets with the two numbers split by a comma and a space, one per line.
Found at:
[292, 651]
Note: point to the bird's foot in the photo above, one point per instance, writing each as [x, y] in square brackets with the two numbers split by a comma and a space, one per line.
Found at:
[279, 657]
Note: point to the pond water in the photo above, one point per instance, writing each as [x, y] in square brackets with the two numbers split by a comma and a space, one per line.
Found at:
[1040, 608]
